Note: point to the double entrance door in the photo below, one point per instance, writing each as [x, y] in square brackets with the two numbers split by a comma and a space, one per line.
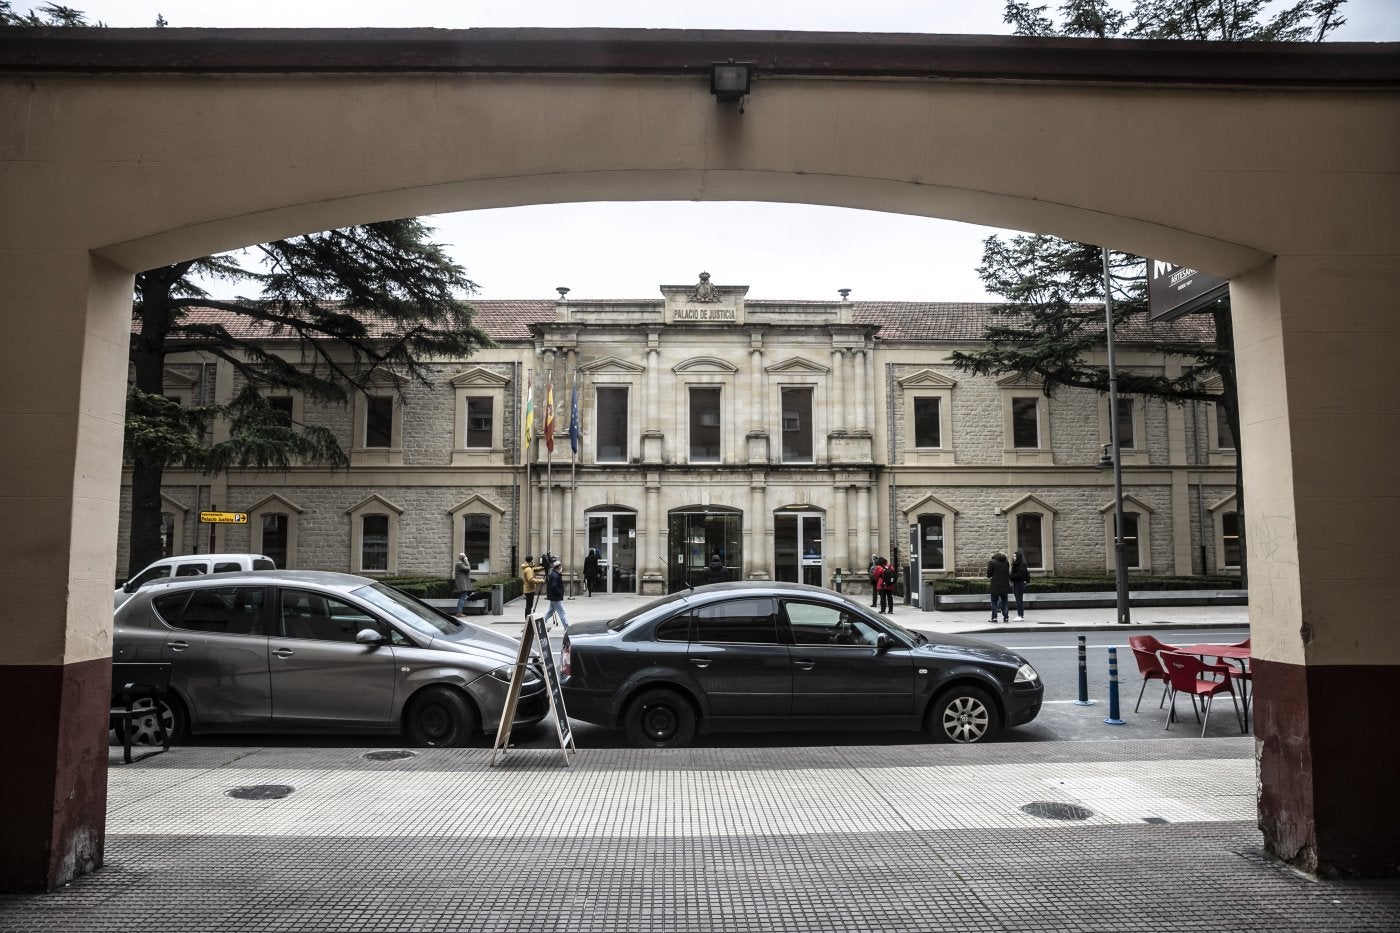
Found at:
[614, 536]
[797, 548]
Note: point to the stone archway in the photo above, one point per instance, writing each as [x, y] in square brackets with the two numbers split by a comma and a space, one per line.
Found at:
[1275, 166]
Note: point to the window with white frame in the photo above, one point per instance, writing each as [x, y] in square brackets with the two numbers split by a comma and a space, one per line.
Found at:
[1025, 422]
[1127, 430]
[1224, 437]
[1132, 553]
[479, 430]
[1230, 554]
[379, 421]
[476, 541]
[928, 423]
[611, 424]
[276, 528]
[374, 543]
[932, 554]
[704, 424]
[797, 424]
[374, 530]
[1030, 538]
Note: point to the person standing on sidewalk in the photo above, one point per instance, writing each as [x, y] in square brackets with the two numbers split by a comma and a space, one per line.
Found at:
[999, 572]
[530, 583]
[1020, 576]
[462, 582]
[889, 579]
[876, 565]
[554, 593]
[590, 571]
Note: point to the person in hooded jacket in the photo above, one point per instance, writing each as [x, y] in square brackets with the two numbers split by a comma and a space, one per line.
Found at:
[554, 594]
[999, 572]
[1020, 576]
[592, 579]
[715, 572]
[462, 582]
[530, 583]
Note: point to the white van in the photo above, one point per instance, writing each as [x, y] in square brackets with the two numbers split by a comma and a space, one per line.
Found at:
[191, 565]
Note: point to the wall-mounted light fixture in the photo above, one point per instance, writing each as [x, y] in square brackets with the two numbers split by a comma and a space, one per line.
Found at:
[729, 81]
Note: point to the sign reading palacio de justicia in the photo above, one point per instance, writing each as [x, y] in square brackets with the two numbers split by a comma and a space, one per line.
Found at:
[704, 302]
[705, 314]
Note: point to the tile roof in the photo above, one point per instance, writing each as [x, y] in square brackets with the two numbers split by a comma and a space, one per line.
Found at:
[961, 321]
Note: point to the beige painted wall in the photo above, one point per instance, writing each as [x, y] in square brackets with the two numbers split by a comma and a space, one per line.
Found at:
[143, 170]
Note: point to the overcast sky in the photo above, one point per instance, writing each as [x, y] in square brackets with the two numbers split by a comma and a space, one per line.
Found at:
[786, 251]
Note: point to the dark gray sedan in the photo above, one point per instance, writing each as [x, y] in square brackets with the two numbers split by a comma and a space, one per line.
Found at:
[296, 651]
[759, 657]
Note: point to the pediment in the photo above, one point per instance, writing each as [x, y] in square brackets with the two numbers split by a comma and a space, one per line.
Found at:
[1228, 503]
[930, 504]
[705, 364]
[173, 377]
[274, 500]
[927, 378]
[1029, 502]
[475, 503]
[611, 364]
[170, 505]
[1018, 381]
[385, 377]
[1129, 500]
[798, 364]
[479, 376]
[370, 502]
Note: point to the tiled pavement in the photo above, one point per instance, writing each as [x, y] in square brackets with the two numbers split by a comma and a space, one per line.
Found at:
[891, 838]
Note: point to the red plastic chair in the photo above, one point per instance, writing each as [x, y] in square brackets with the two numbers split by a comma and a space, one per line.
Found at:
[1184, 672]
[1149, 643]
[1150, 667]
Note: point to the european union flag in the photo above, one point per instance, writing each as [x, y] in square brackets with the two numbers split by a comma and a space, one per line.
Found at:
[574, 428]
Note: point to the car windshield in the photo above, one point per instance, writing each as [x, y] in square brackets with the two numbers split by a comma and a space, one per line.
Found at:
[403, 608]
[650, 610]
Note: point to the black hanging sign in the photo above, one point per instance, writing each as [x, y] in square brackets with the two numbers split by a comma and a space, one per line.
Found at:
[1174, 291]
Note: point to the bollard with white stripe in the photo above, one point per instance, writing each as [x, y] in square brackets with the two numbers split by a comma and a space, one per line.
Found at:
[1083, 676]
[1113, 719]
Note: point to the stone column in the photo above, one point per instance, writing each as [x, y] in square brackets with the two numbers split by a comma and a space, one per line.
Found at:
[839, 531]
[1321, 511]
[837, 409]
[861, 402]
[61, 417]
[653, 574]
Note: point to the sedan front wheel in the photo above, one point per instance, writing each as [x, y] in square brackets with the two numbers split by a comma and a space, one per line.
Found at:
[963, 715]
[439, 717]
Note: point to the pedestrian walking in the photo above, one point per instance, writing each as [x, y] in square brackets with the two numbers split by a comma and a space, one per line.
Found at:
[1020, 576]
[462, 582]
[876, 563]
[886, 585]
[999, 572]
[530, 583]
[554, 594]
[715, 572]
[591, 578]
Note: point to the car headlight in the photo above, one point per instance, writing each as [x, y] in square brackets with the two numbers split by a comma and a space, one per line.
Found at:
[504, 674]
[1025, 674]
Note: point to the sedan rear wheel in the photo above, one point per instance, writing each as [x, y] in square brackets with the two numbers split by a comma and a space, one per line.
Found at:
[963, 714]
[660, 719]
[439, 717]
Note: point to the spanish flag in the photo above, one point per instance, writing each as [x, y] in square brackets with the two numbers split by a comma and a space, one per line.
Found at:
[549, 419]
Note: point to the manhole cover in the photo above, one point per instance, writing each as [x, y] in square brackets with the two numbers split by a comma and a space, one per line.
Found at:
[261, 792]
[1054, 810]
[390, 755]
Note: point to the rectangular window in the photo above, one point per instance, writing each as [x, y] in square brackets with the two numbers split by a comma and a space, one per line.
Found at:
[1126, 438]
[704, 425]
[274, 537]
[1230, 538]
[611, 424]
[797, 425]
[479, 416]
[1028, 538]
[374, 543]
[1025, 423]
[1222, 428]
[476, 541]
[928, 431]
[931, 542]
[379, 421]
[282, 407]
[1131, 556]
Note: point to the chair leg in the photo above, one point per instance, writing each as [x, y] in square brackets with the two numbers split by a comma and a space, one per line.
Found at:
[1171, 711]
[1205, 701]
[1140, 693]
[1165, 687]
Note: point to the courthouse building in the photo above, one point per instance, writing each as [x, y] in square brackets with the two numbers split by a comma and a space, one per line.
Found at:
[793, 439]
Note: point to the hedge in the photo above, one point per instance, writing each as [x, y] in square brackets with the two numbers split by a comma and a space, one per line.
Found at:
[950, 586]
[441, 587]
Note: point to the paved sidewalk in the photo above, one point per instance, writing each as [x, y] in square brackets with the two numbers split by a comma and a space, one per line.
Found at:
[591, 608]
[1074, 836]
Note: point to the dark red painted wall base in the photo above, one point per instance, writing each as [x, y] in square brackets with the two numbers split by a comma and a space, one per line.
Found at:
[1328, 741]
[55, 785]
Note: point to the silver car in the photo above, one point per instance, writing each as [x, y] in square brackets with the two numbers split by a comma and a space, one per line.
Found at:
[302, 650]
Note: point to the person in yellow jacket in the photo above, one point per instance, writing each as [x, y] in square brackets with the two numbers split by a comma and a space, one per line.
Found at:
[531, 580]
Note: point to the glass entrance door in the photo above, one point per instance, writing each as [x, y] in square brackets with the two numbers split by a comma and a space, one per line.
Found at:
[797, 548]
[614, 536]
[698, 537]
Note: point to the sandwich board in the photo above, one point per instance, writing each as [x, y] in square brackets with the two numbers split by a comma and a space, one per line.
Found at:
[535, 630]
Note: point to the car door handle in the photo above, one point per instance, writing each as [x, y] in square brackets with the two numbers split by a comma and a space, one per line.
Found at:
[177, 645]
[284, 652]
[804, 665]
[700, 662]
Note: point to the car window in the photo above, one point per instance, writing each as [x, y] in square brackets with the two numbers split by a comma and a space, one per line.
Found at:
[158, 572]
[820, 624]
[226, 610]
[676, 628]
[191, 570]
[263, 563]
[306, 614]
[407, 611]
[227, 566]
[737, 621]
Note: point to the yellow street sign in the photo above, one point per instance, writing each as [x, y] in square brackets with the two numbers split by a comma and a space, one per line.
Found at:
[224, 518]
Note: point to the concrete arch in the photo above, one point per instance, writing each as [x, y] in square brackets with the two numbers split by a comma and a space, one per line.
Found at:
[1276, 166]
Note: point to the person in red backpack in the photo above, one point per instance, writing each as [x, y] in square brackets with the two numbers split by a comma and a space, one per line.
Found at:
[885, 585]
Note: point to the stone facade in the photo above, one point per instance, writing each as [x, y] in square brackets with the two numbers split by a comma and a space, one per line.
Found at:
[779, 434]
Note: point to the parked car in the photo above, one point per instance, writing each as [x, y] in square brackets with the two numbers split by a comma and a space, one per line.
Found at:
[190, 565]
[768, 657]
[303, 650]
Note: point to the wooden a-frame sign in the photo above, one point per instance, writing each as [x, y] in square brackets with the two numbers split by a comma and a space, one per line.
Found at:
[535, 630]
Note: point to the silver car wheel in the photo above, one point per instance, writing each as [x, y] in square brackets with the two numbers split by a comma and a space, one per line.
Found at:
[963, 715]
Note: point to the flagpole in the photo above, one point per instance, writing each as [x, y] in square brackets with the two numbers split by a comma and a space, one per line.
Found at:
[527, 427]
[549, 465]
[573, 465]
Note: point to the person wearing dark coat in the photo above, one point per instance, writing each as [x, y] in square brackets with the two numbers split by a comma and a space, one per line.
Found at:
[715, 572]
[999, 572]
[462, 582]
[554, 594]
[876, 565]
[1020, 576]
[590, 571]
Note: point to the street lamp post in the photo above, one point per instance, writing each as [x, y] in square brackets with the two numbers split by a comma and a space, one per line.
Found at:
[1120, 553]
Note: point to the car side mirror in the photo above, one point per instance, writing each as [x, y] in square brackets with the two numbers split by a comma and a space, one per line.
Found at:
[368, 636]
[883, 643]
[129, 586]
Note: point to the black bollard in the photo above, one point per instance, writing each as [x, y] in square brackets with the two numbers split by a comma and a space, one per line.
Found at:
[1113, 719]
[1083, 676]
